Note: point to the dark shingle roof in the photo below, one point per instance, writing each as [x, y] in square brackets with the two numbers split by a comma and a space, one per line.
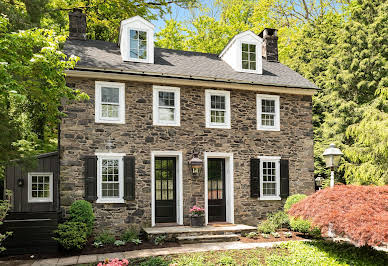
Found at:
[106, 55]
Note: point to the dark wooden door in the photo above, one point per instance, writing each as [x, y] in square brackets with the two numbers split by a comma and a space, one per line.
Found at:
[165, 190]
[216, 190]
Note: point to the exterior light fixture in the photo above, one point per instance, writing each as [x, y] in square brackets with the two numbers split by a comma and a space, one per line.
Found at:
[332, 156]
[196, 165]
[20, 182]
[318, 182]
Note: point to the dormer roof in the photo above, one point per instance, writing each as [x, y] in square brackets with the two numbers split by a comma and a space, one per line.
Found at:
[136, 21]
[240, 36]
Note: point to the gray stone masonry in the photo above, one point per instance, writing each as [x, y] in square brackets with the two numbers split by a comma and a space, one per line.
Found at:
[81, 136]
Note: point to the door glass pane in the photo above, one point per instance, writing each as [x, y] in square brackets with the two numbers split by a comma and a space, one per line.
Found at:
[215, 179]
[164, 179]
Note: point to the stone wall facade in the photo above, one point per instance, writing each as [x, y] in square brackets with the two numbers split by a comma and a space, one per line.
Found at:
[81, 136]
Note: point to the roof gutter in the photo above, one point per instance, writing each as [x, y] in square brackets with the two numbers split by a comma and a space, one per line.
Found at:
[183, 80]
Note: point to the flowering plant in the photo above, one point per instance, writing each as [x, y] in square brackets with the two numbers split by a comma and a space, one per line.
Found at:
[114, 262]
[197, 211]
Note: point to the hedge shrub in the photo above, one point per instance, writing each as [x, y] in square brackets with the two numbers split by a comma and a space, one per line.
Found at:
[291, 200]
[82, 211]
[356, 212]
[71, 235]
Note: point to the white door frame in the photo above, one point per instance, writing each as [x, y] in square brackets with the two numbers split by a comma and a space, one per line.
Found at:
[229, 184]
[179, 183]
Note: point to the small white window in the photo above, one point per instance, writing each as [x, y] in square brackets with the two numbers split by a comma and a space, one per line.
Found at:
[269, 178]
[138, 44]
[110, 102]
[40, 187]
[110, 178]
[248, 56]
[268, 112]
[217, 109]
[166, 106]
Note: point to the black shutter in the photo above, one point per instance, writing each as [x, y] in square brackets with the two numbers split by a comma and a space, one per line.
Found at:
[129, 177]
[91, 178]
[255, 178]
[284, 179]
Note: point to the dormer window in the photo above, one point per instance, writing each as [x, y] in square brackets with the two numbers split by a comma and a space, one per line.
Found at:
[248, 56]
[137, 40]
[138, 44]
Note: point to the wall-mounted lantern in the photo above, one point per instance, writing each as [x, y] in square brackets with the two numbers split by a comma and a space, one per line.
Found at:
[20, 182]
[196, 165]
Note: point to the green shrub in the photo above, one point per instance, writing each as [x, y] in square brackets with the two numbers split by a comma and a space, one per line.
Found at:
[119, 243]
[266, 227]
[82, 211]
[291, 200]
[226, 260]
[300, 225]
[105, 237]
[279, 219]
[71, 235]
[251, 235]
[155, 261]
[130, 234]
[160, 239]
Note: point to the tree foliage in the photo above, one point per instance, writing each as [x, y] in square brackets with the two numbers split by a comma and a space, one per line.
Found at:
[357, 212]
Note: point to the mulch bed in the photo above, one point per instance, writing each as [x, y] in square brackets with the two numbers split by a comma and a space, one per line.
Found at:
[259, 238]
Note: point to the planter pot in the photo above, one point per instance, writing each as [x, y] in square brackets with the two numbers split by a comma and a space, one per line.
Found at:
[197, 221]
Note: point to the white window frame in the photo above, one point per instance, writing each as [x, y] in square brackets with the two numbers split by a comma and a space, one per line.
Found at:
[145, 60]
[177, 106]
[110, 156]
[38, 200]
[256, 53]
[276, 160]
[121, 87]
[276, 98]
[208, 94]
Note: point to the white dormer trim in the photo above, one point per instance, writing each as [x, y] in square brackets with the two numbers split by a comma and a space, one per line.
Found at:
[140, 24]
[232, 52]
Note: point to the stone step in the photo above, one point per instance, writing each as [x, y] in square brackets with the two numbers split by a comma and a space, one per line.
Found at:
[207, 238]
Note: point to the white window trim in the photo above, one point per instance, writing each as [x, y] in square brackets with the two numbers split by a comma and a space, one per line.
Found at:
[257, 58]
[275, 159]
[177, 102]
[208, 94]
[121, 87]
[38, 200]
[259, 98]
[117, 156]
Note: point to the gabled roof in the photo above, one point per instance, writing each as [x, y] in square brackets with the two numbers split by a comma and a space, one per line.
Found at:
[105, 56]
[238, 36]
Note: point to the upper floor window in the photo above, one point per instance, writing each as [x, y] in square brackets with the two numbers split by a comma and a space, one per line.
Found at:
[248, 56]
[40, 187]
[166, 106]
[268, 112]
[217, 109]
[138, 44]
[110, 102]
[269, 178]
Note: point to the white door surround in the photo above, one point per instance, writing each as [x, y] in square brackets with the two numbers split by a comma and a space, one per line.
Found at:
[229, 187]
[179, 183]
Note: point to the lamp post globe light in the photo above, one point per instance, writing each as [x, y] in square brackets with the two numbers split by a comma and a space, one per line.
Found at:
[332, 156]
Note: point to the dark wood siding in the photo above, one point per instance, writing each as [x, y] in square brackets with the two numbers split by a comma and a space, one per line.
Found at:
[48, 162]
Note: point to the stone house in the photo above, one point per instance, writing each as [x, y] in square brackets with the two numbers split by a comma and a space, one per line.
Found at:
[165, 129]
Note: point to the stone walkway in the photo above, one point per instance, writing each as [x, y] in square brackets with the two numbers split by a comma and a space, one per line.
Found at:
[186, 248]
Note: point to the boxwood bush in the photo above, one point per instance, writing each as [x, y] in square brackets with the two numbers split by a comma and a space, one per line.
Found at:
[82, 211]
[291, 200]
[71, 235]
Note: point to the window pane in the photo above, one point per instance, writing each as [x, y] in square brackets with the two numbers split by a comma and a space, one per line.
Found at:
[143, 35]
[268, 106]
[252, 57]
[134, 34]
[110, 95]
[134, 44]
[143, 45]
[142, 54]
[109, 110]
[252, 48]
[244, 56]
[252, 66]
[245, 64]
[217, 102]
[134, 53]
[267, 120]
[166, 99]
[166, 114]
[245, 47]
[110, 178]
[217, 116]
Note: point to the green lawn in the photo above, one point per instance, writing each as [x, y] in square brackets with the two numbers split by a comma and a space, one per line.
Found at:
[291, 253]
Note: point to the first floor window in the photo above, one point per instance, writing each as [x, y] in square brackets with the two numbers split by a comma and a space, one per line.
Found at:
[270, 178]
[110, 187]
[217, 109]
[110, 102]
[268, 112]
[166, 106]
[40, 187]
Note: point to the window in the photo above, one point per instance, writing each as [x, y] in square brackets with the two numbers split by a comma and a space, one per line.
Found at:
[268, 112]
[138, 44]
[248, 56]
[110, 102]
[40, 187]
[217, 109]
[166, 106]
[269, 178]
[110, 183]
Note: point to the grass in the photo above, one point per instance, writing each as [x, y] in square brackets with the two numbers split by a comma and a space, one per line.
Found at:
[291, 253]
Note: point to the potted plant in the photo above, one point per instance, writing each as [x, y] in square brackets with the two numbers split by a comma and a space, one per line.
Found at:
[197, 215]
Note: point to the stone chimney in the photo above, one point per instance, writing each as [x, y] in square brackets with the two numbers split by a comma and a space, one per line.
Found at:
[270, 44]
[77, 24]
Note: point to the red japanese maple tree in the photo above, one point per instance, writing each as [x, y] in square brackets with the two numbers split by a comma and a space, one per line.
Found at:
[359, 213]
